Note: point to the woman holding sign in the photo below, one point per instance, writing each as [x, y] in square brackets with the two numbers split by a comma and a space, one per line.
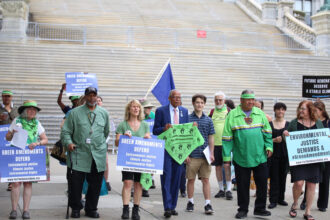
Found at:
[36, 137]
[311, 173]
[133, 125]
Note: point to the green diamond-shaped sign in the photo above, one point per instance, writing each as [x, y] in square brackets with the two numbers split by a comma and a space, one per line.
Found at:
[181, 140]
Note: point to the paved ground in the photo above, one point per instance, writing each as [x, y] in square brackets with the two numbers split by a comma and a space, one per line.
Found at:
[49, 200]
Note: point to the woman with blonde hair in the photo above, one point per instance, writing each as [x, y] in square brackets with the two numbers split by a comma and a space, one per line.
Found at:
[133, 125]
[309, 173]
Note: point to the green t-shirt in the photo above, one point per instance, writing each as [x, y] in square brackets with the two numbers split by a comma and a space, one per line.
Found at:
[150, 116]
[124, 126]
[219, 118]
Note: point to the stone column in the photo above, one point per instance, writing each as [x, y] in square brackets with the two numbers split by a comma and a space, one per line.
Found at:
[321, 25]
[15, 20]
[269, 12]
[283, 7]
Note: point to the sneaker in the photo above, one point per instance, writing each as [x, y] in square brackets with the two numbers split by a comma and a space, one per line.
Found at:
[26, 215]
[208, 209]
[220, 194]
[262, 212]
[135, 213]
[229, 196]
[241, 215]
[125, 214]
[145, 193]
[13, 214]
[190, 207]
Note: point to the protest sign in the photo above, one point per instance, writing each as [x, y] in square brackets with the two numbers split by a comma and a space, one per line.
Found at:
[309, 146]
[146, 180]
[316, 87]
[181, 140]
[21, 165]
[77, 82]
[141, 155]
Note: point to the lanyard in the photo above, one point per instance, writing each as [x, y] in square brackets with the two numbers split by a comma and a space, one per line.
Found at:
[91, 115]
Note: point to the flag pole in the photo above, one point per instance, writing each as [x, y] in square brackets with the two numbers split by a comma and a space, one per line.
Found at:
[157, 78]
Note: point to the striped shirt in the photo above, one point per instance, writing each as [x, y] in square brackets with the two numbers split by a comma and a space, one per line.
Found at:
[205, 127]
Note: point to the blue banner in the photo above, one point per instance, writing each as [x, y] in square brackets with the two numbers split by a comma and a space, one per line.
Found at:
[17, 165]
[309, 146]
[140, 155]
[77, 82]
[151, 123]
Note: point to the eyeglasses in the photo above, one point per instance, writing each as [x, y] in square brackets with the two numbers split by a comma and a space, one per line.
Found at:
[302, 109]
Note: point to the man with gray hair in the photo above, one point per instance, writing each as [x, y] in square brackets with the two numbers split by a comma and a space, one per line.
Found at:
[218, 116]
[248, 135]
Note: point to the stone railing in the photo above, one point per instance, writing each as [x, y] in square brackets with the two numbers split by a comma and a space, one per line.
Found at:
[303, 33]
[252, 8]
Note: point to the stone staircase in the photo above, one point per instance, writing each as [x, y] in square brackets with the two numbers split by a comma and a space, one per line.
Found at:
[37, 72]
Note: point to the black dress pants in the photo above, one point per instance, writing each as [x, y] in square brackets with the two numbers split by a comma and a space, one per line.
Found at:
[243, 175]
[277, 173]
[323, 199]
[94, 180]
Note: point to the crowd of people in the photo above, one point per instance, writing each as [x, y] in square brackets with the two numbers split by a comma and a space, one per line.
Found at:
[242, 136]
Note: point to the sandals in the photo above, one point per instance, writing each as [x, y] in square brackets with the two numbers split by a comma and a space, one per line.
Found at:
[308, 217]
[293, 212]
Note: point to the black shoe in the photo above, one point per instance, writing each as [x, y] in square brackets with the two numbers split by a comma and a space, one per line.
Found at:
[229, 195]
[322, 209]
[135, 213]
[190, 207]
[153, 185]
[108, 186]
[261, 212]
[75, 214]
[167, 214]
[272, 205]
[145, 193]
[208, 209]
[92, 214]
[125, 214]
[220, 194]
[302, 205]
[173, 212]
[241, 215]
[283, 203]
[183, 195]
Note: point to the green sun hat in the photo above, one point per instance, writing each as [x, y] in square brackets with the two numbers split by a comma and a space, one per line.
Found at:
[27, 104]
[7, 92]
[72, 98]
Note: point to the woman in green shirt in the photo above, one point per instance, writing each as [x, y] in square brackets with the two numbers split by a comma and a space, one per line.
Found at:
[133, 125]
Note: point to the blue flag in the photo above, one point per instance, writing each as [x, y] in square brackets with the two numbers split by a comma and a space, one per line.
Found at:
[163, 87]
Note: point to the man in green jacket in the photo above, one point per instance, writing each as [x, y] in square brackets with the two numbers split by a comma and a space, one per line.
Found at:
[248, 135]
[84, 134]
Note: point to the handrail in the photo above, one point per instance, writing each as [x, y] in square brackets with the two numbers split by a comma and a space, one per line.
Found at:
[300, 29]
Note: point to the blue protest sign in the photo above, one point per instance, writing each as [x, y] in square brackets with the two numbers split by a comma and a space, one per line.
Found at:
[151, 123]
[17, 165]
[141, 155]
[77, 82]
[309, 146]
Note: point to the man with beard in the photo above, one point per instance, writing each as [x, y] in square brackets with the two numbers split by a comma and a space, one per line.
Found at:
[84, 135]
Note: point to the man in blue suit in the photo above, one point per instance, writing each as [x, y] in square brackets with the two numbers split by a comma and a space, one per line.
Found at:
[165, 117]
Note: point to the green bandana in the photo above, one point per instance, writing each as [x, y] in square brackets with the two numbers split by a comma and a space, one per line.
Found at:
[7, 92]
[247, 96]
[32, 128]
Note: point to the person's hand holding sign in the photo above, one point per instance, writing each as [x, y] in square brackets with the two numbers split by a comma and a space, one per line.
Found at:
[167, 126]
[128, 133]
[33, 145]
[147, 136]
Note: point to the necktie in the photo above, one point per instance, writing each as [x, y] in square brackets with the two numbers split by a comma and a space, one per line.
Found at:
[176, 117]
